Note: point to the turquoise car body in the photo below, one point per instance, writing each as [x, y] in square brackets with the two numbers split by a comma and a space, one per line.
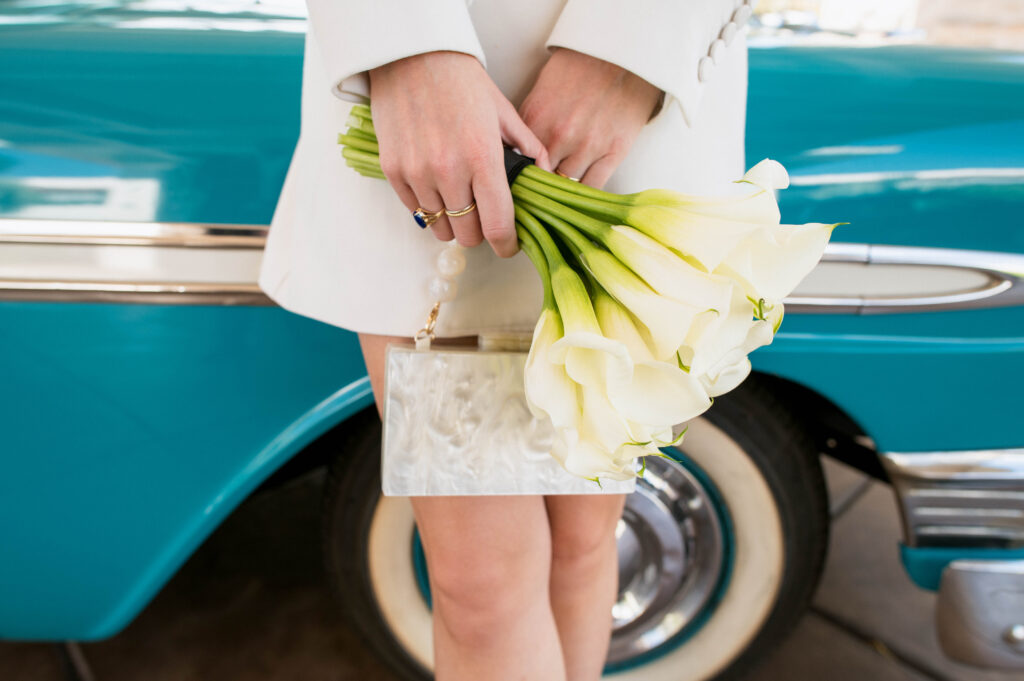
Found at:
[128, 432]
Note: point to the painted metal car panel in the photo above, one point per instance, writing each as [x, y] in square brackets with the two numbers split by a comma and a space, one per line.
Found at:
[130, 431]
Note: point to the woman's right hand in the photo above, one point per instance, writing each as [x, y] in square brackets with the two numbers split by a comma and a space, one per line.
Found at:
[440, 123]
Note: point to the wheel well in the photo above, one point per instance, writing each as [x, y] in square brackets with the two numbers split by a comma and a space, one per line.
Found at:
[835, 433]
[317, 453]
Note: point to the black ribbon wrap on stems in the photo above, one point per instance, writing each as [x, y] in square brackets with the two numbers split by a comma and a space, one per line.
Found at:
[515, 163]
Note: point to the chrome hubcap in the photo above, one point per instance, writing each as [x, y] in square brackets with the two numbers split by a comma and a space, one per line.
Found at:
[671, 558]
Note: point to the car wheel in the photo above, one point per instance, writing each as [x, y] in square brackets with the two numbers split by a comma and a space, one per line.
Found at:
[720, 548]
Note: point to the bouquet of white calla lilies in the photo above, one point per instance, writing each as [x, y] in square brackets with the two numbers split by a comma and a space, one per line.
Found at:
[653, 301]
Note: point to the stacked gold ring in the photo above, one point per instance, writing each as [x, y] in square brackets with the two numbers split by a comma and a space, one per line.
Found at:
[459, 213]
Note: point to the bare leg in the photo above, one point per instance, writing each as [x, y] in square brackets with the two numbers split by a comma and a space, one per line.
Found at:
[488, 560]
[584, 577]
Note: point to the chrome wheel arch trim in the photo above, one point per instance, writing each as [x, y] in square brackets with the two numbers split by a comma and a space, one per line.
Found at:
[998, 276]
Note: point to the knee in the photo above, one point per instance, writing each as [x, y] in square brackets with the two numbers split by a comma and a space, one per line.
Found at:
[584, 539]
[581, 547]
[479, 595]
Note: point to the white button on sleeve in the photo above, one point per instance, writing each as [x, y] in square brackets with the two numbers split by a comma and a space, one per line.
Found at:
[729, 32]
[742, 15]
[717, 51]
[704, 67]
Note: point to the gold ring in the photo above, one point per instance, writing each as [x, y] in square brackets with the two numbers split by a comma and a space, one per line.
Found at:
[459, 213]
[425, 218]
[574, 179]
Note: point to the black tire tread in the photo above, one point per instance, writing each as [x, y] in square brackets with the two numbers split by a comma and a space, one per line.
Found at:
[348, 509]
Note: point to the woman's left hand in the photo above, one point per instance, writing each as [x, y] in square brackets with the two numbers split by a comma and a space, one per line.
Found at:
[587, 112]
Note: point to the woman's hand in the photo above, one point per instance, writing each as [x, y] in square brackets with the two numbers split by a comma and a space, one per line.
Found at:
[440, 123]
[587, 113]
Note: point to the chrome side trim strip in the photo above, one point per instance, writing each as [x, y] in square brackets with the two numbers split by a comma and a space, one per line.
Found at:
[1002, 273]
[97, 233]
[960, 498]
[159, 293]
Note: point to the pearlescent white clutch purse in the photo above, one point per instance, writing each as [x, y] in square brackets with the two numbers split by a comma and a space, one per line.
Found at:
[456, 420]
[456, 423]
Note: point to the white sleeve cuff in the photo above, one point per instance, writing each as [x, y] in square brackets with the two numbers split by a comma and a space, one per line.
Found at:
[354, 37]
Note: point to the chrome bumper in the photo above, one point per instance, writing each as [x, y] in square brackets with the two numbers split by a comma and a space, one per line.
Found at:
[969, 500]
[979, 615]
[965, 499]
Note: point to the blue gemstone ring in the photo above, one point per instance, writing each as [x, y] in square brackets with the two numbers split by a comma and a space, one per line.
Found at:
[425, 218]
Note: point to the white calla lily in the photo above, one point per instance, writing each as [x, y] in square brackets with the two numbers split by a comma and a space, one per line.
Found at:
[713, 335]
[657, 393]
[733, 366]
[728, 378]
[707, 229]
[772, 261]
[703, 240]
[758, 206]
[588, 459]
[549, 390]
[665, 321]
[767, 174]
[665, 271]
[590, 359]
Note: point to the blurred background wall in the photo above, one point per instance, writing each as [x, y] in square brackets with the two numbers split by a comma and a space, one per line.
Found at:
[977, 23]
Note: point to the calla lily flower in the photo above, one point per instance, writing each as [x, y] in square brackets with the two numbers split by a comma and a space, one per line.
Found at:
[588, 459]
[717, 332]
[549, 390]
[728, 378]
[758, 206]
[708, 229]
[603, 445]
[665, 271]
[589, 357]
[657, 393]
[771, 262]
[665, 321]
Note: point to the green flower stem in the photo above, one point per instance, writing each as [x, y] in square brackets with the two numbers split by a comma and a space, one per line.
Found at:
[553, 180]
[362, 157]
[367, 171]
[552, 207]
[355, 142]
[593, 207]
[544, 241]
[536, 256]
[362, 110]
[570, 293]
[576, 241]
[568, 221]
[359, 133]
[363, 124]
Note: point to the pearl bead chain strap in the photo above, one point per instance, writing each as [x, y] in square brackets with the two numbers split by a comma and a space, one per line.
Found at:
[451, 261]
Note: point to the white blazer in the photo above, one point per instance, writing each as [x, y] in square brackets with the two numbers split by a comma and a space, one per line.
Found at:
[343, 249]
